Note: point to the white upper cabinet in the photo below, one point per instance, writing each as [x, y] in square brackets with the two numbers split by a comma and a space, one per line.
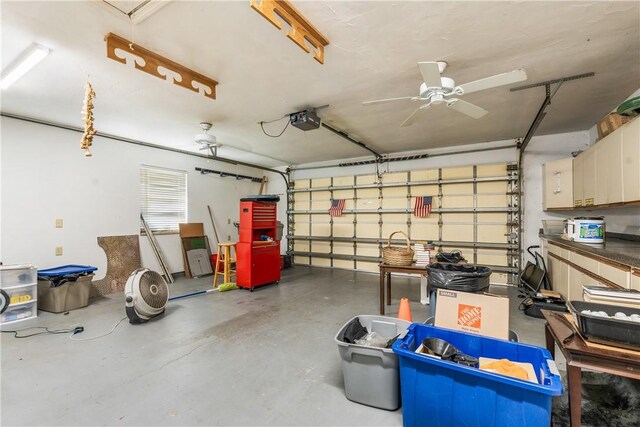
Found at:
[609, 169]
[558, 184]
[631, 161]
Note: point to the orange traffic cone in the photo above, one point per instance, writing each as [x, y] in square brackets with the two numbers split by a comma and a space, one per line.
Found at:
[404, 312]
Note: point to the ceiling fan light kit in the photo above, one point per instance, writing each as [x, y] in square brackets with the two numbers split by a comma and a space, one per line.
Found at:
[437, 89]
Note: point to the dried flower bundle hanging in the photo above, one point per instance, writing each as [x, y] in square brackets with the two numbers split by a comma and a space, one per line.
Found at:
[87, 113]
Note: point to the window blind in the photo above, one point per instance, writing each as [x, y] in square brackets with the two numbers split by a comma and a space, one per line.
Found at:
[163, 197]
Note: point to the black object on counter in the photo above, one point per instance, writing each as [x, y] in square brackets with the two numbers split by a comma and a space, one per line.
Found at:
[606, 330]
[458, 277]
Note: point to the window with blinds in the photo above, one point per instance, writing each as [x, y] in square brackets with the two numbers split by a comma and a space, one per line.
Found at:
[163, 197]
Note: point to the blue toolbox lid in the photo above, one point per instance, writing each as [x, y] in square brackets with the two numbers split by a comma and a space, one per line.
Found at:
[66, 269]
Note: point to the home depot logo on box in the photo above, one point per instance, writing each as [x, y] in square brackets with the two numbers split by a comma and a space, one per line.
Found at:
[469, 316]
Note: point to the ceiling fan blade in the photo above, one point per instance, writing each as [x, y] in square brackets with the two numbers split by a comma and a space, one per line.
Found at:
[384, 101]
[430, 73]
[467, 108]
[495, 81]
[409, 120]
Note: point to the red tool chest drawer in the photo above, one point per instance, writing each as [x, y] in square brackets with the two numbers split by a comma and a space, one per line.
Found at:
[258, 215]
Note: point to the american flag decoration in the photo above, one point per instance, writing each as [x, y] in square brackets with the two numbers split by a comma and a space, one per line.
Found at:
[422, 208]
[337, 206]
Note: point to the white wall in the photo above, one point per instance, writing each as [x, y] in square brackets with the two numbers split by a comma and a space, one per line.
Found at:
[45, 176]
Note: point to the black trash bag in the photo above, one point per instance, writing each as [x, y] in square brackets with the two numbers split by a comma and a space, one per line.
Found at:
[354, 331]
[458, 277]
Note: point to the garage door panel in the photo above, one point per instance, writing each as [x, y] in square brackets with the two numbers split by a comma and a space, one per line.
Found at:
[466, 188]
[343, 194]
[492, 257]
[457, 233]
[424, 175]
[301, 246]
[321, 247]
[301, 183]
[458, 172]
[367, 229]
[491, 170]
[367, 266]
[320, 182]
[321, 229]
[368, 250]
[393, 222]
[492, 233]
[394, 177]
[321, 200]
[343, 263]
[301, 229]
[424, 230]
[342, 180]
[343, 248]
[499, 278]
[457, 201]
[299, 260]
[366, 179]
[321, 262]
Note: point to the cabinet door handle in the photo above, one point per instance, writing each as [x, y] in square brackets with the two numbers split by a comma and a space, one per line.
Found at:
[557, 175]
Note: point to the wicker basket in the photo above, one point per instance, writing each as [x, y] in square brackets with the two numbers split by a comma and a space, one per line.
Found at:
[395, 255]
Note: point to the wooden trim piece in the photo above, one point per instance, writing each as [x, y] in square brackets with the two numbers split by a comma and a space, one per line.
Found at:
[595, 257]
[587, 272]
[149, 62]
[301, 29]
[588, 207]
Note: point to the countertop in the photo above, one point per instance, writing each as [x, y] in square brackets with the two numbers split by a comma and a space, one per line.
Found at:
[618, 250]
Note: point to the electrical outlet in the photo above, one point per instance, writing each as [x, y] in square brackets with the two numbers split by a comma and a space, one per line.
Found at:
[59, 223]
[58, 250]
[228, 220]
[228, 237]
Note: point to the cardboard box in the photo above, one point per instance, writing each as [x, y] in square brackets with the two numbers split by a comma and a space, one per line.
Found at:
[480, 314]
[610, 123]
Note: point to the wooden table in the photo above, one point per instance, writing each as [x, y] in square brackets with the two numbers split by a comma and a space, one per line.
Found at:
[385, 276]
[579, 356]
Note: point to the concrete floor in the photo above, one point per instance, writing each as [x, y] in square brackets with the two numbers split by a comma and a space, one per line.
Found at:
[232, 358]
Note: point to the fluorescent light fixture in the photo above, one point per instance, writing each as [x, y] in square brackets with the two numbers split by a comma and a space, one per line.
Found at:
[23, 63]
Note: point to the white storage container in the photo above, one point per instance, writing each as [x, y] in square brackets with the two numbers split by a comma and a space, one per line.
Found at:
[18, 275]
[19, 282]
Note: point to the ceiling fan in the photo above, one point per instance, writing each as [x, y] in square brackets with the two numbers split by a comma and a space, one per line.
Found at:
[438, 90]
[207, 141]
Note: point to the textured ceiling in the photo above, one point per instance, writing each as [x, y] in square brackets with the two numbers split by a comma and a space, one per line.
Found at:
[373, 54]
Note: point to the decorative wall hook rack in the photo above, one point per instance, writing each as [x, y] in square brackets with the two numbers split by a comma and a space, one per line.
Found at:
[226, 174]
[301, 29]
[151, 63]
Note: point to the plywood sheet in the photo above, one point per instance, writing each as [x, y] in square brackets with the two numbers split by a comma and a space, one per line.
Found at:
[123, 258]
[458, 172]
[191, 229]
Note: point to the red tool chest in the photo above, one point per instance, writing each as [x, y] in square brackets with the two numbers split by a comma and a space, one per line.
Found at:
[257, 260]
